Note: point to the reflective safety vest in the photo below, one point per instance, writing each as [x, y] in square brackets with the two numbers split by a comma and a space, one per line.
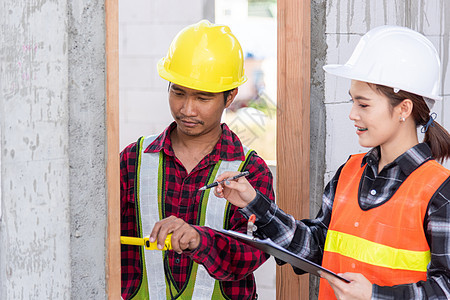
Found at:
[149, 183]
[387, 243]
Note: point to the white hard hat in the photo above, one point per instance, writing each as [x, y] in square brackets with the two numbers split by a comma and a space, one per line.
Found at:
[397, 57]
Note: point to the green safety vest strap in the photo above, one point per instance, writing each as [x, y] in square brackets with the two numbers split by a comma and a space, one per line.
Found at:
[149, 205]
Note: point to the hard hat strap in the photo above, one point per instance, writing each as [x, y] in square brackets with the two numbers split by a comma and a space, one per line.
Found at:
[430, 102]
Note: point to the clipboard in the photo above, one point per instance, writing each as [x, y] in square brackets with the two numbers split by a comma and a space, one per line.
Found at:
[279, 252]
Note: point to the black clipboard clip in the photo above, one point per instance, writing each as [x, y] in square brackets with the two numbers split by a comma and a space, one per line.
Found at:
[251, 227]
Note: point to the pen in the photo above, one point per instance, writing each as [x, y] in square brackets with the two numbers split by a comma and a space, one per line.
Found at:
[216, 183]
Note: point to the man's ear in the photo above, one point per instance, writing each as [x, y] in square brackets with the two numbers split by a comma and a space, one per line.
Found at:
[231, 97]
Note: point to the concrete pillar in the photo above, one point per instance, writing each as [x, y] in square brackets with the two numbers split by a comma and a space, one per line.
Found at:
[35, 219]
[87, 147]
[317, 117]
[52, 103]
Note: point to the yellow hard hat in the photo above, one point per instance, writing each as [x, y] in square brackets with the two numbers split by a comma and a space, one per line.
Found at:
[205, 57]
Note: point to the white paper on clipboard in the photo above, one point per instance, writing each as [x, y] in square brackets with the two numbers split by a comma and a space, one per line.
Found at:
[279, 252]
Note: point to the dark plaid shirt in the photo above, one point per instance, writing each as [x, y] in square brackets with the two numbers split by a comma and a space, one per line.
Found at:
[227, 260]
[307, 237]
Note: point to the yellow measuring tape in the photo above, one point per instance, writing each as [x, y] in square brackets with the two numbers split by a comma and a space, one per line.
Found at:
[145, 241]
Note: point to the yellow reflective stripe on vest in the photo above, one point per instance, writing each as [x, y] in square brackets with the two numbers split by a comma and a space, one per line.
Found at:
[376, 254]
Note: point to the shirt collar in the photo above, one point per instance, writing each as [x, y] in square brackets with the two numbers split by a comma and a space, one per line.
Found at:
[408, 161]
[228, 147]
[163, 142]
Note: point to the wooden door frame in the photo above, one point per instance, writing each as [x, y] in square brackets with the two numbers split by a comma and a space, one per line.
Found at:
[293, 127]
[293, 134]
[113, 274]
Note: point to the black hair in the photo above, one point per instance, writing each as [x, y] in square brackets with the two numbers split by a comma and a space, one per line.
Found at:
[225, 93]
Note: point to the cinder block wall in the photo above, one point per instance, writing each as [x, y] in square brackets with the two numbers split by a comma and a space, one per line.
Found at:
[337, 26]
[346, 22]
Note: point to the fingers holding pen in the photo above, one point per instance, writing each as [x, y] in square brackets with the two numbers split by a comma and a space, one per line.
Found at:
[220, 190]
[238, 192]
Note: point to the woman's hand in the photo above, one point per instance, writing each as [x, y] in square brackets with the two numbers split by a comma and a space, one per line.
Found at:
[238, 192]
[358, 288]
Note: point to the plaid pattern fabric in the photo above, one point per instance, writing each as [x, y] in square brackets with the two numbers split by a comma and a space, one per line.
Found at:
[377, 190]
[226, 259]
[307, 237]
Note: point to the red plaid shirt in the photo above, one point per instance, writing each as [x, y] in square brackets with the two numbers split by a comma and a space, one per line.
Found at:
[226, 259]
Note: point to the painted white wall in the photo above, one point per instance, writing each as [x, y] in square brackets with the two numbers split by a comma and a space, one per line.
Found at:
[146, 29]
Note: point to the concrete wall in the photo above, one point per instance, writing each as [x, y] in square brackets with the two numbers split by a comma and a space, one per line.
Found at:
[52, 102]
[317, 116]
[87, 147]
[34, 229]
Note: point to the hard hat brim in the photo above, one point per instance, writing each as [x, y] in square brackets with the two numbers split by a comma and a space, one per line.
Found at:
[348, 72]
[194, 83]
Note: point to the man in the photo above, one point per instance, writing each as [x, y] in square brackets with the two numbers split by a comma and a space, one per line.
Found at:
[161, 176]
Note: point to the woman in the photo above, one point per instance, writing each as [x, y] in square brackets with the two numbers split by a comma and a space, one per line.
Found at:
[384, 223]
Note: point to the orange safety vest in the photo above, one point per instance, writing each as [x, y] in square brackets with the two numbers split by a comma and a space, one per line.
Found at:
[386, 244]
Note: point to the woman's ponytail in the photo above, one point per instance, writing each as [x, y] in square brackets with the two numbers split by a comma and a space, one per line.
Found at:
[438, 139]
[435, 135]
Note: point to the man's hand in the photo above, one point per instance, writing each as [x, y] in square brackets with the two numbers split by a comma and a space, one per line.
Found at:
[184, 236]
[358, 288]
